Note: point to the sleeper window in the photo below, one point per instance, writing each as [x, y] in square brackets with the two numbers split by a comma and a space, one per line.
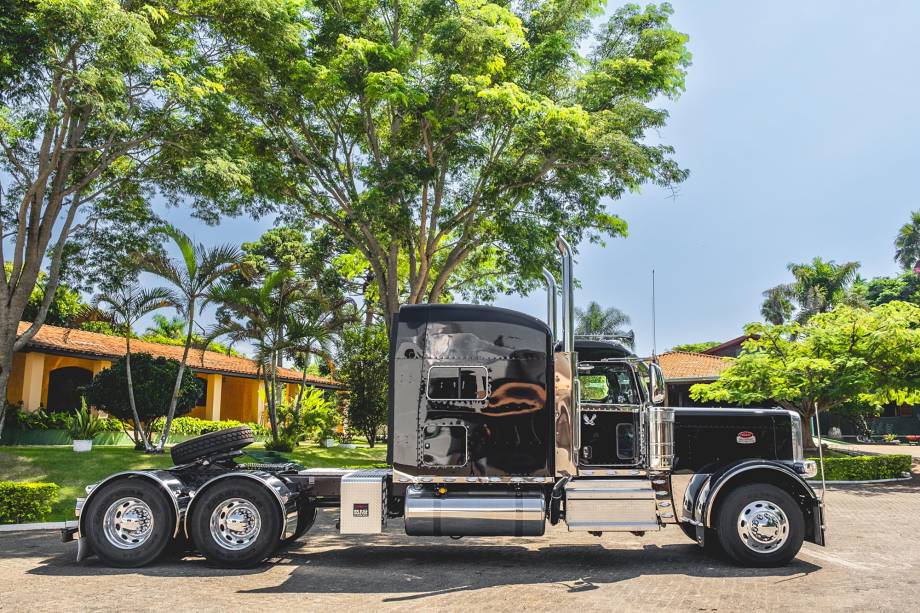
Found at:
[458, 383]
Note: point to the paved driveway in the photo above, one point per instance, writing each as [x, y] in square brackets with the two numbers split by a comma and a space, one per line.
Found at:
[872, 563]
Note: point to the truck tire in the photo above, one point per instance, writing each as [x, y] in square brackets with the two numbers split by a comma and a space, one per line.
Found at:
[222, 441]
[236, 523]
[760, 525]
[129, 523]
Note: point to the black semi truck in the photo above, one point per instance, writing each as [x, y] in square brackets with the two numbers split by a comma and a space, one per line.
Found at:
[497, 426]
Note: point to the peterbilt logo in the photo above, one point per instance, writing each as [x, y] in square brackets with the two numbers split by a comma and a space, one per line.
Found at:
[746, 438]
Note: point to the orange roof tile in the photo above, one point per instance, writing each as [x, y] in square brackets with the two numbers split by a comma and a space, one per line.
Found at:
[92, 344]
[684, 365]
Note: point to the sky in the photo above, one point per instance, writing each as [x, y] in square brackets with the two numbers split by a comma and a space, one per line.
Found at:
[799, 126]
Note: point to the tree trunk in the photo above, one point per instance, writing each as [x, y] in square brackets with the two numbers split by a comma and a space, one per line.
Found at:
[138, 428]
[175, 395]
[6, 364]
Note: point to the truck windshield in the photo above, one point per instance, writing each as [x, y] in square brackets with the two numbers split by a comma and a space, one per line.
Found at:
[608, 384]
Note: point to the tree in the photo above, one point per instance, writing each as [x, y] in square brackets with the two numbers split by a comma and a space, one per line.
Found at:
[818, 287]
[193, 276]
[67, 309]
[126, 304]
[93, 95]
[839, 358]
[364, 367]
[153, 389]
[880, 290]
[452, 139]
[596, 320]
[696, 347]
[166, 327]
[907, 244]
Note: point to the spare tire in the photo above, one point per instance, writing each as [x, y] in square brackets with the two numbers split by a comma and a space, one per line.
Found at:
[212, 443]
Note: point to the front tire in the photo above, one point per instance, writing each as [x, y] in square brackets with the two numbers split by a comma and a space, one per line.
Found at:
[760, 525]
[129, 523]
[236, 523]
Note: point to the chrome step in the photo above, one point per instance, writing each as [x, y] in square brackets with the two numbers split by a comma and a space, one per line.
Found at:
[611, 505]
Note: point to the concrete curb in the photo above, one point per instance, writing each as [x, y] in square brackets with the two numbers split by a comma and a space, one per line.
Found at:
[50, 525]
[818, 481]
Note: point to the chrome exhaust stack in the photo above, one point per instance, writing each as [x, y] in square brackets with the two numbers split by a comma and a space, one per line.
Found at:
[568, 296]
[551, 302]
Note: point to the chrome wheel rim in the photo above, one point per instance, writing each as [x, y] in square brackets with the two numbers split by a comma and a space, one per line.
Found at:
[235, 524]
[128, 523]
[763, 526]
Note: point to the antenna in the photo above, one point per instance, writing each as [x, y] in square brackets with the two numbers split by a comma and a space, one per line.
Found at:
[654, 329]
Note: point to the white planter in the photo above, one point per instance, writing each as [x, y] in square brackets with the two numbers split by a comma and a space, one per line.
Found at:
[83, 445]
[330, 442]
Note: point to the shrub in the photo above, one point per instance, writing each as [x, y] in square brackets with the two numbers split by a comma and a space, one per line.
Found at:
[153, 379]
[364, 367]
[25, 502]
[84, 426]
[865, 468]
[17, 419]
[194, 426]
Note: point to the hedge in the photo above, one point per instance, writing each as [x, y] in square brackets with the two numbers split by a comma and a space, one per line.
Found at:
[195, 426]
[865, 468]
[25, 502]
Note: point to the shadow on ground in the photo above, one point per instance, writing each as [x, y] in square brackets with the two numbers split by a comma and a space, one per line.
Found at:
[415, 571]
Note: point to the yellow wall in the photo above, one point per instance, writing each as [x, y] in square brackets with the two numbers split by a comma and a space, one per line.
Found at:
[14, 387]
[228, 397]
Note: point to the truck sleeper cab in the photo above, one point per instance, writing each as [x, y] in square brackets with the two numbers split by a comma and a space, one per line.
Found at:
[495, 428]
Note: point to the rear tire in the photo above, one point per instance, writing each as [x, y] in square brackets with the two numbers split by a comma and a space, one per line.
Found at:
[212, 443]
[129, 523]
[236, 523]
[760, 525]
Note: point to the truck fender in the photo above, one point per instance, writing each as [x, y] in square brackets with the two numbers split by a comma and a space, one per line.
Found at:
[767, 471]
[287, 500]
[165, 480]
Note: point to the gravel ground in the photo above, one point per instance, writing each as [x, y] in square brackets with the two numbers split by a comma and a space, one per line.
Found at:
[872, 562]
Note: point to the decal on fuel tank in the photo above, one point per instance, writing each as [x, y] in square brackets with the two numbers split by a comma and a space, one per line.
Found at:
[746, 438]
[360, 510]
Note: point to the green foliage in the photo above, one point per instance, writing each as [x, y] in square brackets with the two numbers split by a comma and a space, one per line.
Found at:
[817, 288]
[447, 143]
[43, 420]
[364, 361]
[84, 426]
[880, 290]
[22, 503]
[839, 358]
[314, 418]
[865, 468]
[596, 320]
[153, 387]
[194, 426]
[907, 244]
[696, 347]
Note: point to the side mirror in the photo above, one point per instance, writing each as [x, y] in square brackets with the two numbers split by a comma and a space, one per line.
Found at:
[657, 389]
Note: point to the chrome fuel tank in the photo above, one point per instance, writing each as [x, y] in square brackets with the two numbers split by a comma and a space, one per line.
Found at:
[474, 513]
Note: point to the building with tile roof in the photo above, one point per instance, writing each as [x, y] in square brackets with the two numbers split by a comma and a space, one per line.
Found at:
[57, 361]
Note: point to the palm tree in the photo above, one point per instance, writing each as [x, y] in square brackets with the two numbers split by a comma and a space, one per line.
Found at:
[260, 315]
[126, 304]
[907, 244]
[596, 320]
[193, 275]
[818, 287]
[166, 327]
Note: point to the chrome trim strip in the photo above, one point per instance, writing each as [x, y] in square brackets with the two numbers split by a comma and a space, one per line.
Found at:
[798, 451]
[401, 477]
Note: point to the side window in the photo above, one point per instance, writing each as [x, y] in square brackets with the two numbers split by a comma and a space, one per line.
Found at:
[458, 383]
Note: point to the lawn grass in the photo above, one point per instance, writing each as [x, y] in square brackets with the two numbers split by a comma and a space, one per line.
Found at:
[74, 471]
